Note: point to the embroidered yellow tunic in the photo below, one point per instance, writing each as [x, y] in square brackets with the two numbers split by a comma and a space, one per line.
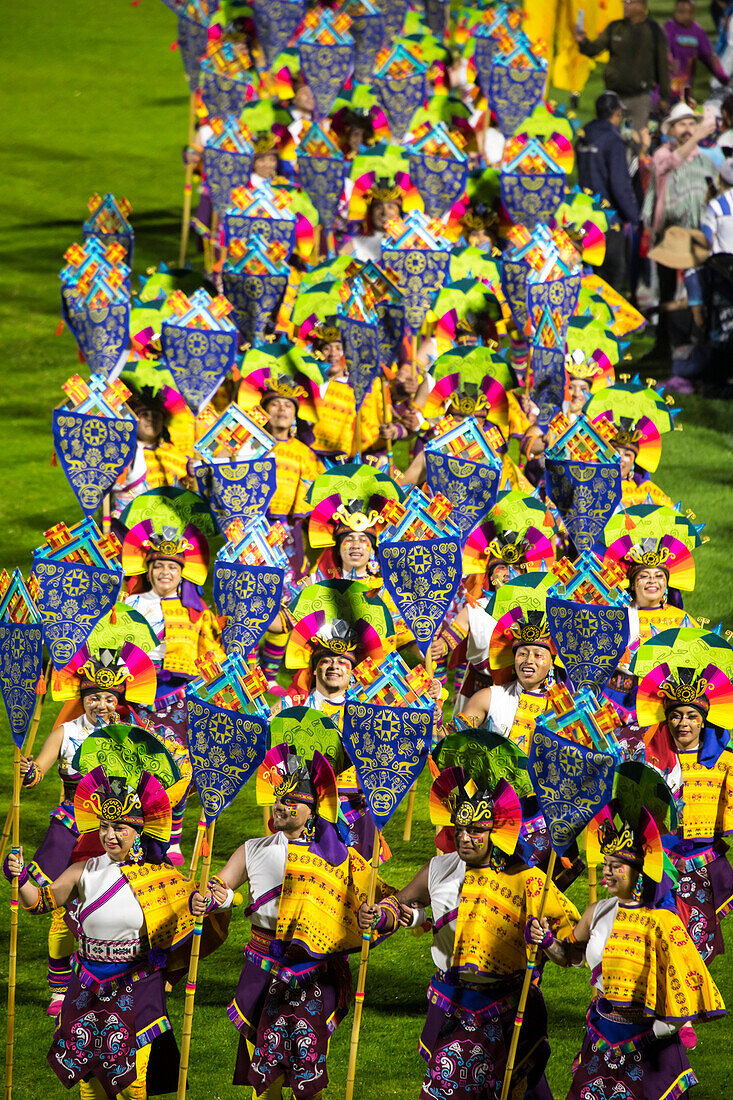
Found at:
[334, 429]
[631, 493]
[297, 468]
[165, 465]
[530, 707]
[651, 963]
[660, 618]
[186, 641]
[492, 914]
[708, 796]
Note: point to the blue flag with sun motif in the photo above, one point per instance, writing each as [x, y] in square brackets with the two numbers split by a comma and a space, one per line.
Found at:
[21, 666]
[250, 597]
[72, 598]
[422, 577]
[226, 748]
[389, 747]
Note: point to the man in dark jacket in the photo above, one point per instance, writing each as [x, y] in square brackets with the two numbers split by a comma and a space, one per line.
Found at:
[602, 168]
[638, 60]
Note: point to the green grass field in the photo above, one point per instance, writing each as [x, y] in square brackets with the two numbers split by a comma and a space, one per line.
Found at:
[98, 102]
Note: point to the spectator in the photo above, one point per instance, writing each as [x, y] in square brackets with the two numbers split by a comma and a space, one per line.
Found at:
[717, 222]
[638, 63]
[689, 43]
[725, 139]
[603, 169]
[677, 193]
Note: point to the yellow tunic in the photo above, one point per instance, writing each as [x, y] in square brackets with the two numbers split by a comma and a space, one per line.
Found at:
[708, 796]
[492, 914]
[531, 706]
[334, 429]
[297, 468]
[186, 641]
[660, 618]
[165, 466]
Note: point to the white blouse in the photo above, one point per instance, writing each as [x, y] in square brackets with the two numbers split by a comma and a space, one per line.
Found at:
[266, 858]
[119, 918]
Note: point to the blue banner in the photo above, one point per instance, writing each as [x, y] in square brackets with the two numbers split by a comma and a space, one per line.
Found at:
[367, 30]
[572, 783]
[440, 180]
[276, 21]
[226, 170]
[400, 98]
[548, 381]
[558, 295]
[514, 93]
[243, 490]
[322, 179]
[226, 748]
[361, 350]
[239, 227]
[21, 666]
[72, 599]
[256, 300]
[422, 578]
[192, 39]
[199, 360]
[222, 95]
[92, 451]
[586, 494]
[250, 597]
[484, 48]
[590, 639]
[391, 325]
[420, 277]
[532, 198]
[470, 486]
[325, 69]
[514, 275]
[102, 333]
[389, 747]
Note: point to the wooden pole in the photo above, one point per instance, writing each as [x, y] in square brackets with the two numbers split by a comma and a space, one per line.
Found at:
[592, 884]
[193, 969]
[414, 357]
[106, 514]
[407, 834]
[197, 845]
[387, 412]
[188, 184]
[13, 952]
[357, 434]
[361, 983]
[519, 1019]
[27, 750]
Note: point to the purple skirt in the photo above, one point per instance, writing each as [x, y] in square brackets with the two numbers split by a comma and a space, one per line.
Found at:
[656, 1069]
[466, 1047]
[53, 855]
[100, 1030]
[289, 1026]
[705, 897]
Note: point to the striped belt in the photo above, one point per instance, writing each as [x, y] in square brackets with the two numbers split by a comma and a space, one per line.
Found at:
[111, 950]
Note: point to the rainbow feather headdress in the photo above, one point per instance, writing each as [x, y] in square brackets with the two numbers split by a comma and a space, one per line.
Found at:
[642, 437]
[128, 673]
[667, 553]
[334, 517]
[101, 797]
[455, 801]
[143, 545]
[284, 772]
[708, 690]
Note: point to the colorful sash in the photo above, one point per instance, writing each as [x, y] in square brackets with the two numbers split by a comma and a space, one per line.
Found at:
[530, 707]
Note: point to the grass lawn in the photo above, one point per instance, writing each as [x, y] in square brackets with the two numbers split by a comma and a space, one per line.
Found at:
[99, 103]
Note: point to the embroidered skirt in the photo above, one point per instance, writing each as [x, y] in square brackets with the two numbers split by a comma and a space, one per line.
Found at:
[102, 1025]
[466, 1039]
[287, 1019]
[704, 897]
[642, 1068]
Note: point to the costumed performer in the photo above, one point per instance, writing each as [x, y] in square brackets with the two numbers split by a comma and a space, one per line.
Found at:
[647, 977]
[295, 985]
[158, 460]
[104, 687]
[288, 406]
[132, 918]
[481, 895]
[683, 712]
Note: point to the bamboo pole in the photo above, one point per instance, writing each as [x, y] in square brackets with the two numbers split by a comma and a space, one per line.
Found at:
[13, 951]
[193, 969]
[592, 883]
[188, 181]
[361, 983]
[106, 514]
[414, 357]
[197, 846]
[407, 834]
[26, 751]
[531, 961]
[387, 412]
[357, 434]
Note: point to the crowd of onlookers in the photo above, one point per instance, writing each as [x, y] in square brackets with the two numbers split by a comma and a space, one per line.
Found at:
[665, 167]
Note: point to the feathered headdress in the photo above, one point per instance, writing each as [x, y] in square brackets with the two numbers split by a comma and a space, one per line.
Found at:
[146, 808]
[144, 545]
[284, 772]
[663, 689]
[455, 801]
[127, 673]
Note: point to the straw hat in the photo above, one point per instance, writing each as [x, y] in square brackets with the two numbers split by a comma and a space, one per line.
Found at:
[678, 112]
[681, 248]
